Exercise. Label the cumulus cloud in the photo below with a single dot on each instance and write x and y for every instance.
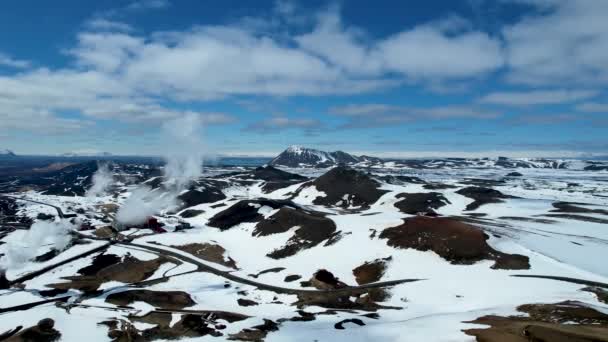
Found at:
(443, 49)
(537, 97)
(567, 42)
(118, 73)
(115, 73)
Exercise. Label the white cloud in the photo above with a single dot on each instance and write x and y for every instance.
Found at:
(537, 97)
(427, 52)
(439, 50)
(34, 101)
(7, 61)
(567, 42)
(117, 74)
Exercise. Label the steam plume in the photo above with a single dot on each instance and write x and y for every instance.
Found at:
(18, 253)
(183, 153)
(102, 180)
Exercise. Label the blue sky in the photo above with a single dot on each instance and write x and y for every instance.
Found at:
(415, 78)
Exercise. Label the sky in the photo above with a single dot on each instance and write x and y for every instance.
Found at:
(521, 78)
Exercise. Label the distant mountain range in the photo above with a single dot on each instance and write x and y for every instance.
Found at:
(87, 154)
(297, 156)
(7, 154)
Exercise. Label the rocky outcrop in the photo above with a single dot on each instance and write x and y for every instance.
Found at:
(313, 228)
(421, 203)
(561, 322)
(455, 241)
(481, 196)
(245, 211)
(194, 197)
(345, 187)
(371, 271)
(172, 300)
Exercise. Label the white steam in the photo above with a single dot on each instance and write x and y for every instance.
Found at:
(41, 233)
(183, 153)
(102, 180)
(183, 150)
(143, 203)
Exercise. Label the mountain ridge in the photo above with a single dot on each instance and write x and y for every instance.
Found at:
(298, 156)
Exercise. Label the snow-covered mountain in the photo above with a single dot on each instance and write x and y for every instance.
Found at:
(296, 156)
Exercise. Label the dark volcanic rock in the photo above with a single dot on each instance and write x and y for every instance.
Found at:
(421, 203)
(292, 277)
(313, 229)
(103, 269)
(246, 302)
(371, 271)
(340, 325)
(256, 333)
(596, 167)
(454, 241)
(45, 217)
(273, 178)
(44, 331)
(72, 180)
(9, 208)
(191, 213)
(245, 211)
(190, 325)
(270, 270)
(276, 179)
(341, 157)
(325, 280)
(4, 283)
(196, 197)
(272, 174)
(346, 187)
(481, 196)
(562, 322)
(209, 252)
(438, 186)
(172, 300)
